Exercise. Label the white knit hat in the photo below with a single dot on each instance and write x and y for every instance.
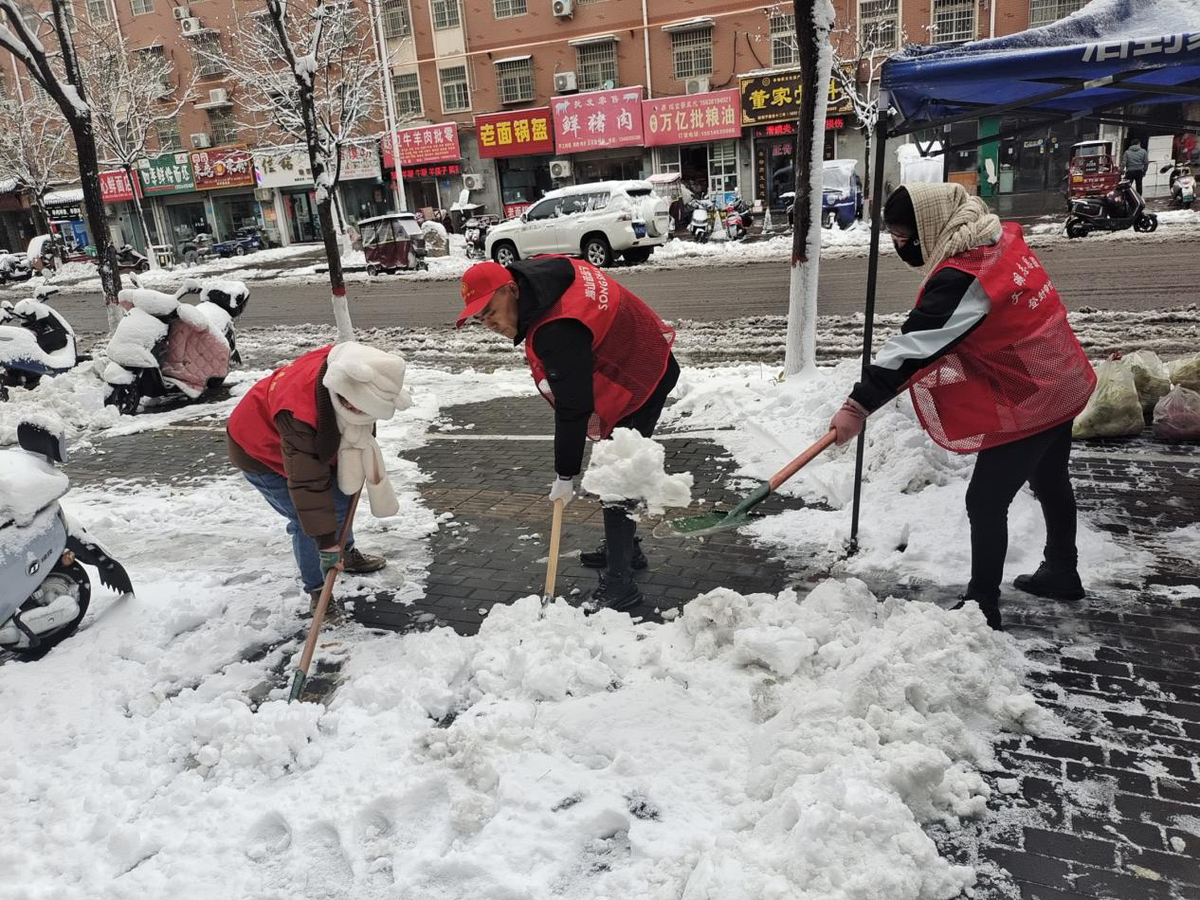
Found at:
(370, 379)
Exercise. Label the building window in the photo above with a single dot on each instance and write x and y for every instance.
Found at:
(1044, 12)
(514, 80)
(445, 14)
(397, 22)
(141, 7)
(879, 23)
(506, 8)
(596, 65)
(692, 52)
(168, 136)
(154, 60)
(406, 90)
(783, 40)
(456, 96)
(722, 167)
(221, 127)
(953, 21)
(208, 56)
(97, 11)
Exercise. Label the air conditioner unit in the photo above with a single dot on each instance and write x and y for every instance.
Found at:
(473, 182)
(565, 83)
(698, 85)
(200, 140)
(218, 95)
(560, 169)
(181, 13)
(190, 26)
(563, 8)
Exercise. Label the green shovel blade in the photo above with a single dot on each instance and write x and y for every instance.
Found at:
(712, 522)
(297, 686)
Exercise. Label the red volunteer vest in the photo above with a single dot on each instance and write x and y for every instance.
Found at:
(630, 346)
(292, 388)
(1020, 372)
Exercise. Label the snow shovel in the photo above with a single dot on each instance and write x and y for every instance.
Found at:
(709, 523)
(552, 559)
(314, 629)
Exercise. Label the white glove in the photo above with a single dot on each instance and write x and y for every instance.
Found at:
(563, 489)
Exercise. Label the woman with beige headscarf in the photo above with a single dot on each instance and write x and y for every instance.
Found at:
(993, 368)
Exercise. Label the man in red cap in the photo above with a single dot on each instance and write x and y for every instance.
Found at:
(603, 360)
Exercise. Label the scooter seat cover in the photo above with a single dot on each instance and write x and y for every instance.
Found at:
(630, 346)
(1020, 372)
(292, 388)
(193, 356)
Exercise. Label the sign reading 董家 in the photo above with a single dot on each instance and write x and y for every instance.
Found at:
(423, 144)
(776, 98)
(223, 167)
(170, 173)
(515, 133)
(598, 120)
(691, 118)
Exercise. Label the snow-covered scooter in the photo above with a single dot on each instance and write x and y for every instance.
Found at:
(701, 224)
(35, 340)
(1183, 184)
(44, 589)
(165, 348)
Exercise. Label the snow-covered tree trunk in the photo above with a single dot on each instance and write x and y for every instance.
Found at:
(131, 174)
(814, 19)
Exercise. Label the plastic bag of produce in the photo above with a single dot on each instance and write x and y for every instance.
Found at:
(1150, 376)
(1113, 409)
(1186, 372)
(1177, 416)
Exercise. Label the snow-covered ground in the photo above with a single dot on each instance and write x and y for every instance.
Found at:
(754, 747)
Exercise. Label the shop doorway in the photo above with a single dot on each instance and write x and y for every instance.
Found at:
(304, 225)
(186, 221)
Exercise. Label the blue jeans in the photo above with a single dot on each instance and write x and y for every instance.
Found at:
(275, 489)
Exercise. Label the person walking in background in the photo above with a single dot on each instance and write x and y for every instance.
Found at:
(1134, 162)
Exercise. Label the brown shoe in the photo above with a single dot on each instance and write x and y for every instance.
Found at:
(356, 562)
(335, 612)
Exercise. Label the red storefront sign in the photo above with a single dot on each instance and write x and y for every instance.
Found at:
(516, 133)
(442, 171)
(223, 167)
(423, 144)
(715, 116)
(512, 210)
(598, 120)
(835, 123)
(115, 186)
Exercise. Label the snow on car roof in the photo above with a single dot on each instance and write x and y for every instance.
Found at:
(597, 186)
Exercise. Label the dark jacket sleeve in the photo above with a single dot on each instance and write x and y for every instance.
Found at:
(310, 479)
(951, 306)
(565, 348)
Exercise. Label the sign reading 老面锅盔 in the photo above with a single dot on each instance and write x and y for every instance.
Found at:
(598, 120)
(776, 98)
(515, 133)
(223, 167)
(170, 173)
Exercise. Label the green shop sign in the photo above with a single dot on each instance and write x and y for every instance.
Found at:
(170, 173)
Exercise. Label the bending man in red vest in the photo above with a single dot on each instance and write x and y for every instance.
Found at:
(304, 437)
(994, 368)
(602, 358)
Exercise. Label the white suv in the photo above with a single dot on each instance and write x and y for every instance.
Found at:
(597, 221)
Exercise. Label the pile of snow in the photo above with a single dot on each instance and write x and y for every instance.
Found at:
(28, 484)
(629, 467)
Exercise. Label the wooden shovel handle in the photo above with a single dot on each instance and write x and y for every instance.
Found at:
(552, 559)
(802, 460)
(326, 591)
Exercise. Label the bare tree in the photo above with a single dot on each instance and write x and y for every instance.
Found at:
(307, 75)
(131, 92)
(56, 70)
(35, 150)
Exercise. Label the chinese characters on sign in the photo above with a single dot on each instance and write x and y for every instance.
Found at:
(359, 162)
(691, 118)
(282, 169)
(423, 144)
(512, 210)
(443, 171)
(782, 129)
(515, 133)
(222, 168)
(115, 186)
(170, 173)
(776, 98)
(598, 120)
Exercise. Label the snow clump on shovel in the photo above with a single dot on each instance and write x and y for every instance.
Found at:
(628, 466)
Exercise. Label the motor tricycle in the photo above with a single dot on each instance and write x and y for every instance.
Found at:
(393, 243)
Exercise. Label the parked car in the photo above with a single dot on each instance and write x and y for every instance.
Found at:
(598, 221)
(246, 240)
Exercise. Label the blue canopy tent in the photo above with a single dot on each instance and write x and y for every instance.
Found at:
(1088, 66)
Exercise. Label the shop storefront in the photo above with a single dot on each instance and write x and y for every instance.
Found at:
(170, 200)
(774, 153)
(603, 132)
(521, 143)
(432, 155)
(65, 209)
(290, 173)
(697, 136)
(117, 189)
(363, 193)
(16, 219)
(226, 174)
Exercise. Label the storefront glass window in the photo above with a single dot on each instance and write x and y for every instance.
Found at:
(722, 167)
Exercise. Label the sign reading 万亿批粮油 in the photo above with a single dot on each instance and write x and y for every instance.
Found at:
(691, 118)
(598, 120)
(776, 98)
(515, 133)
(170, 173)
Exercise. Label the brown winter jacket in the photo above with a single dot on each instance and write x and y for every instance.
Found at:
(309, 455)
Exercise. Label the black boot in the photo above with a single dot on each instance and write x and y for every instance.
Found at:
(617, 588)
(1057, 582)
(990, 607)
(598, 558)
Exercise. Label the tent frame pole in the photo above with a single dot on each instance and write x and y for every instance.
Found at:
(881, 136)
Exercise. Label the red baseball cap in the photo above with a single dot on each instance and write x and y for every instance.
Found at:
(478, 284)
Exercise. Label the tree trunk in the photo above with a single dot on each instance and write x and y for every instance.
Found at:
(41, 218)
(867, 135)
(337, 282)
(813, 19)
(141, 216)
(93, 210)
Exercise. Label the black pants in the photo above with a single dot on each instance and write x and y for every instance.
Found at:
(1040, 459)
(1136, 177)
